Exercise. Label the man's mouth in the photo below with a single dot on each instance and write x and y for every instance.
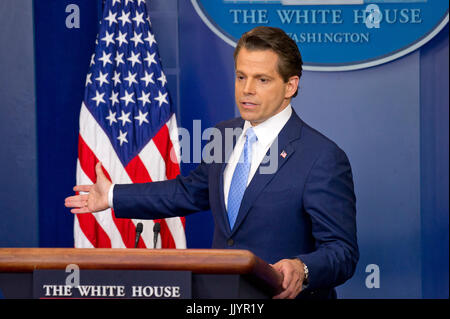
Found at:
(249, 105)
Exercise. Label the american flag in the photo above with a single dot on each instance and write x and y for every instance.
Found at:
(128, 123)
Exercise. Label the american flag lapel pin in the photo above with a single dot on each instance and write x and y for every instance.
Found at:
(283, 154)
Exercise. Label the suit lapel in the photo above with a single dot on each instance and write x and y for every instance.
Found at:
(290, 132)
(221, 169)
(221, 196)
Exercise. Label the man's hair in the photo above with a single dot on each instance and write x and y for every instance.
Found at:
(270, 38)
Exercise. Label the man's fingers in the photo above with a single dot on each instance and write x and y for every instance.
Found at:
(77, 197)
(294, 289)
(281, 267)
(282, 295)
(291, 291)
(294, 285)
(289, 286)
(99, 170)
(76, 201)
(82, 203)
(287, 273)
(82, 188)
(82, 210)
(292, 281)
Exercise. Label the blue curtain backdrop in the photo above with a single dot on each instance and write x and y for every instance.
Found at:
(392, 121)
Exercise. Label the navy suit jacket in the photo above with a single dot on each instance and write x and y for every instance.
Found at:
(306, 209)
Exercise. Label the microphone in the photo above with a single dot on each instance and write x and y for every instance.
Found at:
(156, 230)
(139, 228)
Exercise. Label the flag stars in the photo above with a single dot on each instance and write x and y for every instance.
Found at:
(114, 98)
(131, 78)
(122, 137)
(161, 98)
(108, 38)
(125, 93)
(122, 38)
(128, 98)
(134, 59)
(124, 18)
(116, 77)
(119, 58)
(148, 78)
(139, 18)
(106, 58)
(111, 18)
(88, 79)
(142, 117)
(92, 59)
(98, 98)
(145, 98)
(124, 118)
(150, 58)
(102, 78)
(150, 39)
(162, 79)
(111, 117)
(137, 39)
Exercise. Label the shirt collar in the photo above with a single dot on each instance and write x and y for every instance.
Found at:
(267, 131)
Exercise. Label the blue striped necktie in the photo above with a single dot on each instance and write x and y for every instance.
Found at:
(240, 177)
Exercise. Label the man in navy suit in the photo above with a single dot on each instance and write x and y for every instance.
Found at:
(299, 215)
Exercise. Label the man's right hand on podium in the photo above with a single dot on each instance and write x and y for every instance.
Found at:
(96, 198)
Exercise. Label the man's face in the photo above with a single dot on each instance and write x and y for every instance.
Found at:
(260, 91)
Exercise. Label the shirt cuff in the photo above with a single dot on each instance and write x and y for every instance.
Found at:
(110, 196)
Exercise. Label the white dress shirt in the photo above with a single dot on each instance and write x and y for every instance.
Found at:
(266, 132)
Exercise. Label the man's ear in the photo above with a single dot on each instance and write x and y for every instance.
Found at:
(292, 86)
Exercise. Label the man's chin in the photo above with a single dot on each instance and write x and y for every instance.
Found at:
(254, 120)
(249, 115)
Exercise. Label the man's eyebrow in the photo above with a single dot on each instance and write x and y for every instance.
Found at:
(258, 75)
(262, 75)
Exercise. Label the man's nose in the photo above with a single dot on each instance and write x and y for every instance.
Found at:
(249, 87)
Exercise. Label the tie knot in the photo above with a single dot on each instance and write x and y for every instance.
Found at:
(251, 136)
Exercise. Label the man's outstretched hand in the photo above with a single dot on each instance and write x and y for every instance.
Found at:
(97, 198)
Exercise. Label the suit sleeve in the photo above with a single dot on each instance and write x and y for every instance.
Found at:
(329, 200)
(177, 197)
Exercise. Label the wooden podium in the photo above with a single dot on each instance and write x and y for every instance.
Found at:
(215, 273)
